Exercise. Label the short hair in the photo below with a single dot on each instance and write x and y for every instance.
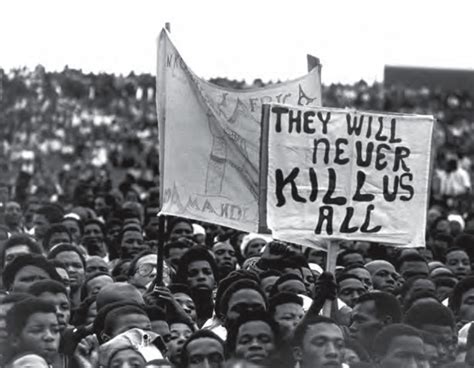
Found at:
(54, 229)
(117, 270)
(197, 253)
(233, 329)
(408, 284)
(225, 283)
(52, 212)
(461, 287)
(84, 294)
(78, 221)
(10, 271)
(14, 297)
(236, 286)
(66, 247)
(47, 286)
(181, 243)
(283, 298)
(112, 315)
(309, 320)
(345, 252)
(269, 273)
(385, 337)
(179, 288)
(79, 317)
(346, 276)
(386, 305)
(456, 249)
(21, 239)
(429, 312)
(18, 315)
(173, 221)
(200, 334)
(445, 281)
(420, 294)
(282, 279)
(95, 222)
(410, 257)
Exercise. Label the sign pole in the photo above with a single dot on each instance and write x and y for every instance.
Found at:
(333, 249)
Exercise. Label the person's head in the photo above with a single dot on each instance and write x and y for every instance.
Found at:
(179, 227)
(252, 245)
(56, 233)
(45, 216)
(94, 283)
(197, 269)
(457, 260)
(286, 309)
(180, 331)
(469, 359)
(93, 237)
(399, 345)
(158, 320)
(371, 312)
(6, 303)
(28, 360)
(18, 244)
(253, 337)
(317, 256)
(383, 275)
(289, 283)
(318, 342)
(33, 326)
(350, 288)
(362, 274)
(27, 269)
(118, 292)
(349, 257)
(242, 296)
(411, 265)
(13, 214)
(123, 318)
(203, 349)
(440, 244)
(435, 318)
(73, 224)
(55, 293)
(268, 279)
(182, 295)
(226, 258)
(414, 285)
(444, 287)
(131, 242)
(462, 299)
(174, 250)
(74, 261)
(96, 264)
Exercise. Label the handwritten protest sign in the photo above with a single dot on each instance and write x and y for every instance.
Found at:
(210, 140)
(345, 174)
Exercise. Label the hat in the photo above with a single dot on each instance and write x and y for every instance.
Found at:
(198, 230)
(249, 238)
(143, 342)
(315, 268)
(456, 218)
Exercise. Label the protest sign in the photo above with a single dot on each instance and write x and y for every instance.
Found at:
(347, 174)
(210, 140)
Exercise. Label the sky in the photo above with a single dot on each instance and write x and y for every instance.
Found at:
(239, 39)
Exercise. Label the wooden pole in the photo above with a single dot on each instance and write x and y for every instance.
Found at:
(333, 249)
(160, 251)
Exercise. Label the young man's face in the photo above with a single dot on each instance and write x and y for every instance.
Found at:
(27, 276)
(58, 237)
(40, 335)
(132, 244)
(350, 290)
(466, 311)
(384, 278)
(200, 275)
(364, 323)
(287, 316)
(255, 342)
(12, 214)
(225, 257)
(458, 262)
(97, 283)
(205, 352)
(447, 341)
(62, 305)
(40, 224)
(74, 268)
(74, 230)
(363, 275)
(404, 351)
(322, 346)
(187, 303)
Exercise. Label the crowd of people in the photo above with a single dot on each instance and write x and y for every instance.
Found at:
(79, 197)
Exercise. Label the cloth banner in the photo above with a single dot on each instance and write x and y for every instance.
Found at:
(347, 174)
(210, 140)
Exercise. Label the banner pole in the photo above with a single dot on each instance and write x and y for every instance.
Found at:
(160, 251)
(333, 249)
